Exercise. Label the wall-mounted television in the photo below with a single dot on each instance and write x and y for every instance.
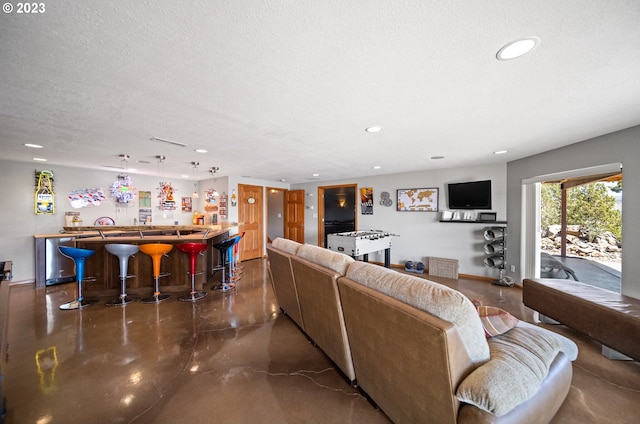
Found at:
(470, 195)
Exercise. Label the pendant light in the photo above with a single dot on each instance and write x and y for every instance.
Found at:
(195, 194)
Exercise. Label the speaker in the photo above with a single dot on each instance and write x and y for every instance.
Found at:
(494, 261)
(494, 234)
(494, 247)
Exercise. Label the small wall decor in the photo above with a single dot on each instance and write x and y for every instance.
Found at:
(234, 198)
(366, 200)
(44, 196)
(210, 203)
(385, 199)
(86, 197)
(418, 200)
(187, 204)
(223, 206)
(144, 204)
(165, 194)
(122, 191)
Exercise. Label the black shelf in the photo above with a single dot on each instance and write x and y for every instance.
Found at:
(460, 221)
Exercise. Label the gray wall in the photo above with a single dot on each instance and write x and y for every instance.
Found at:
(623, 147)
(20, 223)
(421, 235)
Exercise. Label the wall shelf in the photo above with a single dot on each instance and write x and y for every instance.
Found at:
(459, 221)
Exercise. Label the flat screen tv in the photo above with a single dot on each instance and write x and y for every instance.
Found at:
(470, 195)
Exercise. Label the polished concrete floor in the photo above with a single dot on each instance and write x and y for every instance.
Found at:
(230, 358)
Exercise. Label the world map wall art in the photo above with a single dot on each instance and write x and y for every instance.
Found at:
(418, 200)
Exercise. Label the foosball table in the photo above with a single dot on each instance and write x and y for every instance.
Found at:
(361, 243)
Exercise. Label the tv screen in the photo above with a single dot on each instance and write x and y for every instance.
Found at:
(470, 195)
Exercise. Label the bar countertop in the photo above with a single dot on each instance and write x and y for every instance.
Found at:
(138, 231)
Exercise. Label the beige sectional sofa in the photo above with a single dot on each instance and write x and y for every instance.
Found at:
(418, 348)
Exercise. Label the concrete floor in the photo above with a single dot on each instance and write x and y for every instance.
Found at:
(592, 272)
(230, 358)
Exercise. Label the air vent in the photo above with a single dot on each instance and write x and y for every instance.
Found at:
(164, 140)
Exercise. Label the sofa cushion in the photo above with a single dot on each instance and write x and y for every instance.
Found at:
(496, 321)
(520, 361)
(286, 245)
(434, 298)
(335, 261)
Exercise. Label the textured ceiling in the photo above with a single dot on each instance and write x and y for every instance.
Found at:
(284, 89)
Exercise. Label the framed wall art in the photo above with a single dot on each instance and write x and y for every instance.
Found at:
(418, 200)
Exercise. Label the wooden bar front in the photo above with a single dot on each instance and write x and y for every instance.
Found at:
(102, 270)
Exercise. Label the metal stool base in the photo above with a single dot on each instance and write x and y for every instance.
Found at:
(121, 301)
(78, 304)
(156, 298)
(192, 297)
(223, 287)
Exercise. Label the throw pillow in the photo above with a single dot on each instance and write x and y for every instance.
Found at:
(496, 321)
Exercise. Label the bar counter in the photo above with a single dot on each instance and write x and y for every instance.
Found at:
(102, 270)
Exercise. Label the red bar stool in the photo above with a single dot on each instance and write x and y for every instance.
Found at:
(156, 251)
(193, 250)
(79, 256)
(123, 252)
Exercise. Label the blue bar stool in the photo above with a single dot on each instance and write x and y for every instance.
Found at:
(223, 247)
(123, 252)
(193, 250)
(79, 256)
(234, 269)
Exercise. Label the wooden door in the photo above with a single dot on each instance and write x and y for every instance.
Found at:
(250, 218)
(294, 215)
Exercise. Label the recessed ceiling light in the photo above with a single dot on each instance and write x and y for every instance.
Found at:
(373, 129)
(499, 152)
(184, 176)
(376, 167)
(517, 48)
(200, 150)
(437, 157)
(35, 146)
(40, 159)
(315, 175)
(282, 180)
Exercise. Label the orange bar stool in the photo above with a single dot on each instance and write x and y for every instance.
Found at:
(79, 257)
(193, 250)
(156, 251)
(123, 252)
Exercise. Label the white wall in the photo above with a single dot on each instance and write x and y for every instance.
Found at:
(421, 235)
(20, 223)
(619, 147)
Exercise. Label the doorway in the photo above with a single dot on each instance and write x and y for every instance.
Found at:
(285, 214)
(581, 229)
(532, 229)
(275, 213)
(337, 207)
(250, 217)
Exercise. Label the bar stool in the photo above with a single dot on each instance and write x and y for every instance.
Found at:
(193, 250)
(156, 251)
(223, 248)
(123, 252)
(79, 256)
(234, 269)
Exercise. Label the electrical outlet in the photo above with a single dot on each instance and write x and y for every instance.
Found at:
(513, 268)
